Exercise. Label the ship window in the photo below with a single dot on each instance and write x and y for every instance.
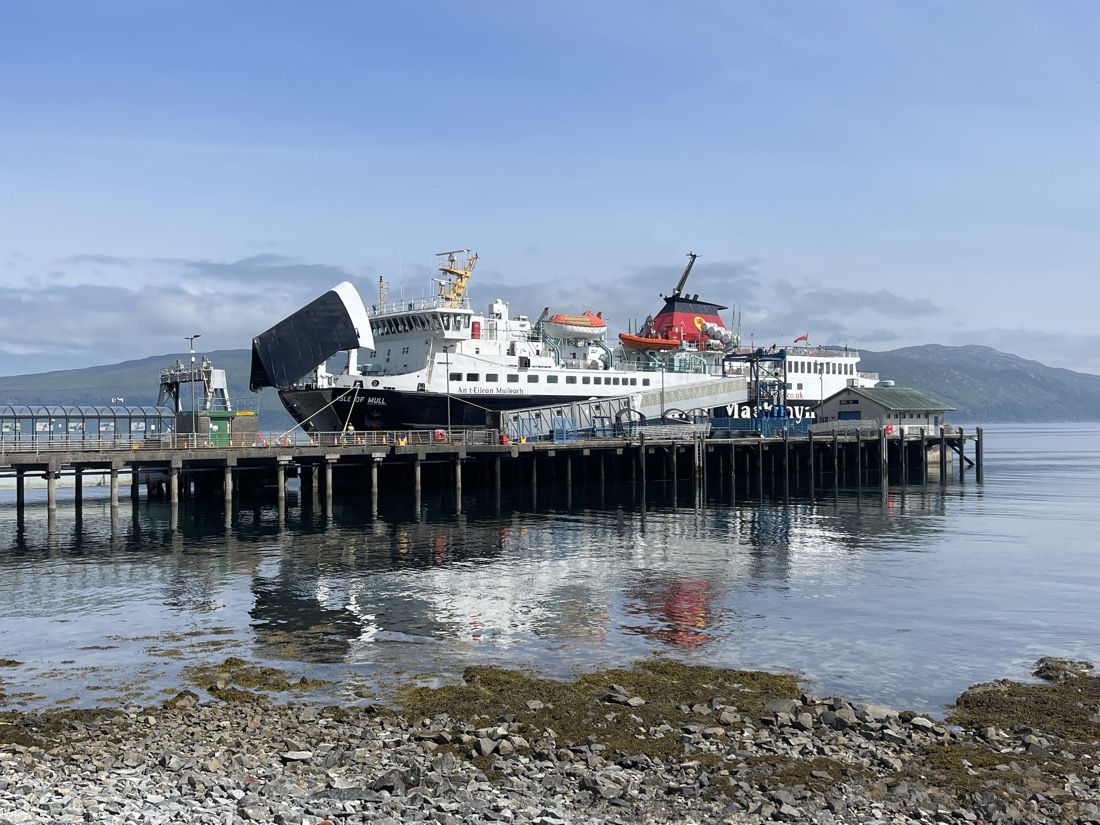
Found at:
(551, 379)
(633, 382)
(491, 377)
(645, 382)
(472, 376)
(570, 379)
(532, 378)
(615, 381)
(597, 380)
(466, 321)
(586, 379)
(456, 376)
(513, 378)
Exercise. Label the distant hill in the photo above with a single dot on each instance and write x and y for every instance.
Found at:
(985, 385)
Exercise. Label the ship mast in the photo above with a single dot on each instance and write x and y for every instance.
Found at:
(383, 290)
(687, 270)
(452, 292)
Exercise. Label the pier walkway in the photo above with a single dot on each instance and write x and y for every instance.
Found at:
(364, 461)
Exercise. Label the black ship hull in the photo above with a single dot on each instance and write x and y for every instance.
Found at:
(338, 408)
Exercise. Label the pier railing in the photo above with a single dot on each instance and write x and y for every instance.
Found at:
(200, 442)
(628, 432)
(268, 440)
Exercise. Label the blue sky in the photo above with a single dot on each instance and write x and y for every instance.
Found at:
(878, 174)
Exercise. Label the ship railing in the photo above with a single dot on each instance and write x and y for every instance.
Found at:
(798, 351)
(417, 304)
(692, 365)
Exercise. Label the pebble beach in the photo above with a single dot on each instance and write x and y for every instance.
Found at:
(660, 743)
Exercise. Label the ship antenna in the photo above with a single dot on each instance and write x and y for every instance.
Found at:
(687, 270)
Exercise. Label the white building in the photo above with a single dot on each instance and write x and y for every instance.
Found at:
(893, 407)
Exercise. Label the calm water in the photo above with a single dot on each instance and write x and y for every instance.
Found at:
(903, 596)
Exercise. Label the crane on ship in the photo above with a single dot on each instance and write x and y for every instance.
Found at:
(687, 271)
(452, 292)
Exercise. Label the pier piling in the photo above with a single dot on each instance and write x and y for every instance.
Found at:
(788, 457)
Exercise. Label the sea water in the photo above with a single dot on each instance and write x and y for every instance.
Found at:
(903, 595)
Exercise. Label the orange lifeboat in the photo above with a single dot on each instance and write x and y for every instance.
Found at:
(642, 342)
(587, 325)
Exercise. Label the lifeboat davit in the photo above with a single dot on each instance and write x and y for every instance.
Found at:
(642, 342)
(575, 326)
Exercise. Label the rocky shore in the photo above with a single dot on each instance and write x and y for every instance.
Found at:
(659, 743)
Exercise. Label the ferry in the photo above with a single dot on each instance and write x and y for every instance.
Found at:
(437, 362)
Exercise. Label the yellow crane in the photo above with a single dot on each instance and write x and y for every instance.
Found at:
(452, 292)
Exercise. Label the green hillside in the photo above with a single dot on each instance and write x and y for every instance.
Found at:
(987, 385)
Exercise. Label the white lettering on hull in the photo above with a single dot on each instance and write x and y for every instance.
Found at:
(795, 412)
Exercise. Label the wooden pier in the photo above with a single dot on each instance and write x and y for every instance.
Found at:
(414, 460)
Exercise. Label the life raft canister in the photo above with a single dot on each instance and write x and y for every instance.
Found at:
(889, 429)
(440, 435)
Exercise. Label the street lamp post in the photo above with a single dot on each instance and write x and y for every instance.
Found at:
(662, 388)
(821, 385)
(447, 361)
(191, 342)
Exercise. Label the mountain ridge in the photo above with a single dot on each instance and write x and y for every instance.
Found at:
(987, 385)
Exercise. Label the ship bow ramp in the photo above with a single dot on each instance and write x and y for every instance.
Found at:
(301, 342)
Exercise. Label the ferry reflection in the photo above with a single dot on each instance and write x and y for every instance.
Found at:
(681, 612)
(592, 577)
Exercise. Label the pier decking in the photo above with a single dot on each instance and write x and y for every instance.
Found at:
(414, 459)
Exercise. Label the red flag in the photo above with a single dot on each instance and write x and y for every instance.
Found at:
(805, 337)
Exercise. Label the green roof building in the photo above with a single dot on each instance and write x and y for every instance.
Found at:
(891, 407)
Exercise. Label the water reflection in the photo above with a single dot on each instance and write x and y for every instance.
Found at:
(597, 577)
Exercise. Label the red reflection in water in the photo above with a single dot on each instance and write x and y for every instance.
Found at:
(680, 609)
